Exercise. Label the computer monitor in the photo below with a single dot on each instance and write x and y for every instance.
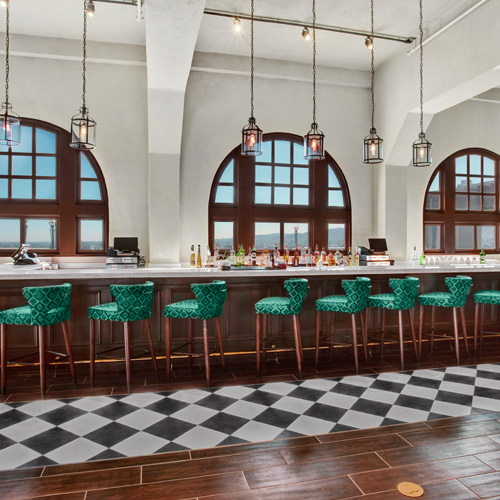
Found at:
(126, 244)
(378, 244)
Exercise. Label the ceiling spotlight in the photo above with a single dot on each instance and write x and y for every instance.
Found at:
(90, 8)
(3, 3)
(305, 34)
(369, 42)
(237, 24)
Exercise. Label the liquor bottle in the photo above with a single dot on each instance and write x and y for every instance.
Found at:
(331, 259)
(316, 255)
(356, 258)
(232, 256)
(249, 257)
(296, 258)
(208, 257)
(198, 260)
(240, 256)
(303, 256)
(349, 257)
(192, 259)
(287, 254)
(323, 255)
(276, 253)
(309, 257)
(414, 256)
(482, 257)
(253, 262)
(422, 259)
(265, 257)
(216, 254)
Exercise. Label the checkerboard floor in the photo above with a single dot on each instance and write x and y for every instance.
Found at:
(93, 428)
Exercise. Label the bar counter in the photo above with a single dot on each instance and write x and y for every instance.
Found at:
(245, 287)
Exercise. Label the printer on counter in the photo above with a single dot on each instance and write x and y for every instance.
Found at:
(124, 254)
(376, 255)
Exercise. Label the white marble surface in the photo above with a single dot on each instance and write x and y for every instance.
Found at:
(10, 272)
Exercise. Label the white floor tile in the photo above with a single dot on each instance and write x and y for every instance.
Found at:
(486, 403)
(360, 420)
(141, 443)
(257, 431)
(92, 403)
(200, 437)
(358, 380)
(79, 450)
(419, 392)
(335, 399)
(462, 370)
(487, 383)
(141, 419)
(407, 414)
(194, 414)
(4, 408)
(491, 368)
(310, 425)
(388, 397)
(245, 409)
(450, 409)
(294, 405)
(85, 424)
(16, 455)
(319, 384)
(40, 407)
(189, 396)
(398, 378)
(235, 391)
(429, 374)
(26, 429)
(281, 388)
(142, 400)
(467, 389)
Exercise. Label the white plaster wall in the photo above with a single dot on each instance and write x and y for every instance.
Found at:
(50, 89)
(217, 107)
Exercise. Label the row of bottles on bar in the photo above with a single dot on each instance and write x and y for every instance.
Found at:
(272, 259)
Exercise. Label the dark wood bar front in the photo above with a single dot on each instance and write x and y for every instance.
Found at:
(244, 289)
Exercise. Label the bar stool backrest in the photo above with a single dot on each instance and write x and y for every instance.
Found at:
(49, 304)
(211, 298)
(357, 292)
(297, 289)
(405, 292)
(134, 302)
(459, 288)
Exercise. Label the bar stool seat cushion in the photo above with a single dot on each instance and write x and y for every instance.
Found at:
(297, 290)
(133, 303)
(405, 293)
(48, 305)
(487, 297)
(273, 305)
(439, 299)
(355, 300)
(186, 309)
(382, 300)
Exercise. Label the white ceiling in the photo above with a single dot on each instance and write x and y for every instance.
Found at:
(116, 23)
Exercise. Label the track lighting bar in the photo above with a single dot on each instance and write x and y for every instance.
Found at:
(301, 24)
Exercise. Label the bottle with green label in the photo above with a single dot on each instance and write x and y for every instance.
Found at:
(422, 259)
(482, 257)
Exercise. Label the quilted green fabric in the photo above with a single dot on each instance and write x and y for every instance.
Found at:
(355, 299)
(297, 290)
(405, 293)
(458, 289)
(487, 297)
(48, 305)
(210, 298)
(132, 303)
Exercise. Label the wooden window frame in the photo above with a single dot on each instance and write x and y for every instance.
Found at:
(245, 212)
(448, 216)
(67, 207)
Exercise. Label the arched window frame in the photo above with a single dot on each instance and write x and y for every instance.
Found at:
(68, 209)
(448, 218)
(243, 212)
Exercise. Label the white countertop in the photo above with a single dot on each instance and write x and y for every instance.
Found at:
(11, 272)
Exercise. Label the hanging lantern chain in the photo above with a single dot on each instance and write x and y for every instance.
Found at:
(251, 63)
(373, 70)
(7, 46)
(421, 70)
(84, 54)
(314, 59)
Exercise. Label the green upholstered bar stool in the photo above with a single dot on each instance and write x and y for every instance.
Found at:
(354, 301)
(47, 305)
(209, 302)
(132, 303)
(491, 297)
(405, 292)
(458, 289)
(282, 306)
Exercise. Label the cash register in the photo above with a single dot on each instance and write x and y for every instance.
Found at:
(376, 255)
(124, 254)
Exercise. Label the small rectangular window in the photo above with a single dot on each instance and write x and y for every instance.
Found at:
(224, 194)
(224, 234)
(45, 141)
(267, 233)
(91, 234)
(10, 233)
(485, 237)
(432, 236)
(41, 233)
(296, 233)
(464, 237)
(45, 166)
(336, 236)
(4, 165)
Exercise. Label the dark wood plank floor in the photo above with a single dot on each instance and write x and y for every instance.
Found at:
(452, 459)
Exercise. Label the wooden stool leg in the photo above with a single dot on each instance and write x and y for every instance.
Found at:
(219, 337)
(363, 336)
(433, 316)
(367, 322)
(264, 337)
(69, 352)
(332, 331)
(190, 340)
(128, 368)
(401, 340)
(413, 337)
(207, 353)
(301, 349)
(464, 330)
(455, 332)
(420, 327)
(3, 356)
(296, 332)
(152, 348)
(316, 348)
(92, 351)
(355, 342)
(481, 327)
(383, 334)
(41, 349)
(168, 339)
(257, 343)
(476, 324)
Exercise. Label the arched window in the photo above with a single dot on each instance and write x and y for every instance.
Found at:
(462, 210)
(278, 197)
(52, 197)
